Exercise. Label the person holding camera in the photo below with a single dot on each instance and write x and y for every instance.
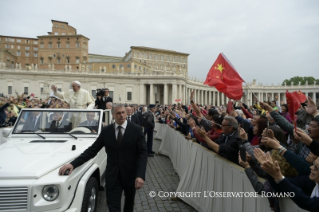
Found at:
(101, 100)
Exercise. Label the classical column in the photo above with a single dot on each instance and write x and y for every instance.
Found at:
(180, 92)
(314, 97)
(202, 94)
(209, 97)
(152, 101)
(142, 94)
(184, 94)
(279, 97)
(214, 98)
(165, 94)
(223, 99)
(259, 96)
(247, 98)
(272, 97)
(174, 92)
(197, 96)
(218, 98)
(186, 97)
(203, 97)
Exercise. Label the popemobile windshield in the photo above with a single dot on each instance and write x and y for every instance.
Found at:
(41, 142)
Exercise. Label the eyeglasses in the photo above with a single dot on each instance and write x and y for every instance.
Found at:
(316, 167)
(225, 125)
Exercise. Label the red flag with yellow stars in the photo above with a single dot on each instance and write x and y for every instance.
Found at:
(294, 101)
(300, 96)
(223, 76)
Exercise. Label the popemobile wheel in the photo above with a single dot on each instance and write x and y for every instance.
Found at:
(90, 199)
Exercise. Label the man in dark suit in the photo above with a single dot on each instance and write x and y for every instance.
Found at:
(32, 124)
(126, 160)
(101, 101)
(59, 124)
(132, 118)
(90, 121)
(149, 125)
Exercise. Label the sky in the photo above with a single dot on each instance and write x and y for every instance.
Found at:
(269, 41)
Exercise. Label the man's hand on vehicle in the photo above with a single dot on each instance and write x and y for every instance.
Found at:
(66, 167)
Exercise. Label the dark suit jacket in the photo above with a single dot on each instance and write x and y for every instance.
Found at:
(302, 187)
(148, 120)
(94, 125)
(140, 117)
(128, 159)
(229, 149)
(65, 126)
(101, 103)
(28, 125)
(3, 115)
(135, 119)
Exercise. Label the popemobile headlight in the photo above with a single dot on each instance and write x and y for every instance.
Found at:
(50, 192)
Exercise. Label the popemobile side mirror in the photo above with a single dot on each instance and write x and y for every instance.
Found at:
(6, 131)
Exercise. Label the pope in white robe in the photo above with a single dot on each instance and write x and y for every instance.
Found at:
(77, 98)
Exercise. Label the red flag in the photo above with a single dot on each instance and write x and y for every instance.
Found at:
(178, 100)
(293, 103)
(223, 76)
(300, 96)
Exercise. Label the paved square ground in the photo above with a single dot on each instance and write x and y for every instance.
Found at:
(160, 176)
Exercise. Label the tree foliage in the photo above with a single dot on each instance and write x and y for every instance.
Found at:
(302, 80)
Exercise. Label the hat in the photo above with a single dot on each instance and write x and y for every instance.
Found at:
(78, 83)
(151, 106)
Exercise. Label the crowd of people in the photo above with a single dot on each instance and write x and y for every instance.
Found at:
(260, 137)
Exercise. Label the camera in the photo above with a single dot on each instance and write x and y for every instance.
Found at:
(100, 91)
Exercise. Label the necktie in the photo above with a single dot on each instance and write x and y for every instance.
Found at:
(129, 118)
(119, 135)
(57, 124)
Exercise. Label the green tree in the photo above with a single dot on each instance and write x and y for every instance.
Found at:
(302, 80)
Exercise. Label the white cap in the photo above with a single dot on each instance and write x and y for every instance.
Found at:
(77, 82)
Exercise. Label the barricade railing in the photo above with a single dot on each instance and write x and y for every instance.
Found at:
(205, 174)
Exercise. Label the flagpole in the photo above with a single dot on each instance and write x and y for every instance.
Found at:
(251, 91)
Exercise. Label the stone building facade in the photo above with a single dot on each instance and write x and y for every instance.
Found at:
(143, 75)
(139, 88)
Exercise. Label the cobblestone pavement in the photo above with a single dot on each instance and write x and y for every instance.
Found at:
(160, 176)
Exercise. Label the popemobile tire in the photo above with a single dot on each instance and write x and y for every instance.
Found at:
(90, 199)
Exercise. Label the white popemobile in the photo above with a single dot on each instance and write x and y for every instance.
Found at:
(41, 142)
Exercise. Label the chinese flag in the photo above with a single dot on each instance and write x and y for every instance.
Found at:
(294, 100)
(300, 96)
(223, 76)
